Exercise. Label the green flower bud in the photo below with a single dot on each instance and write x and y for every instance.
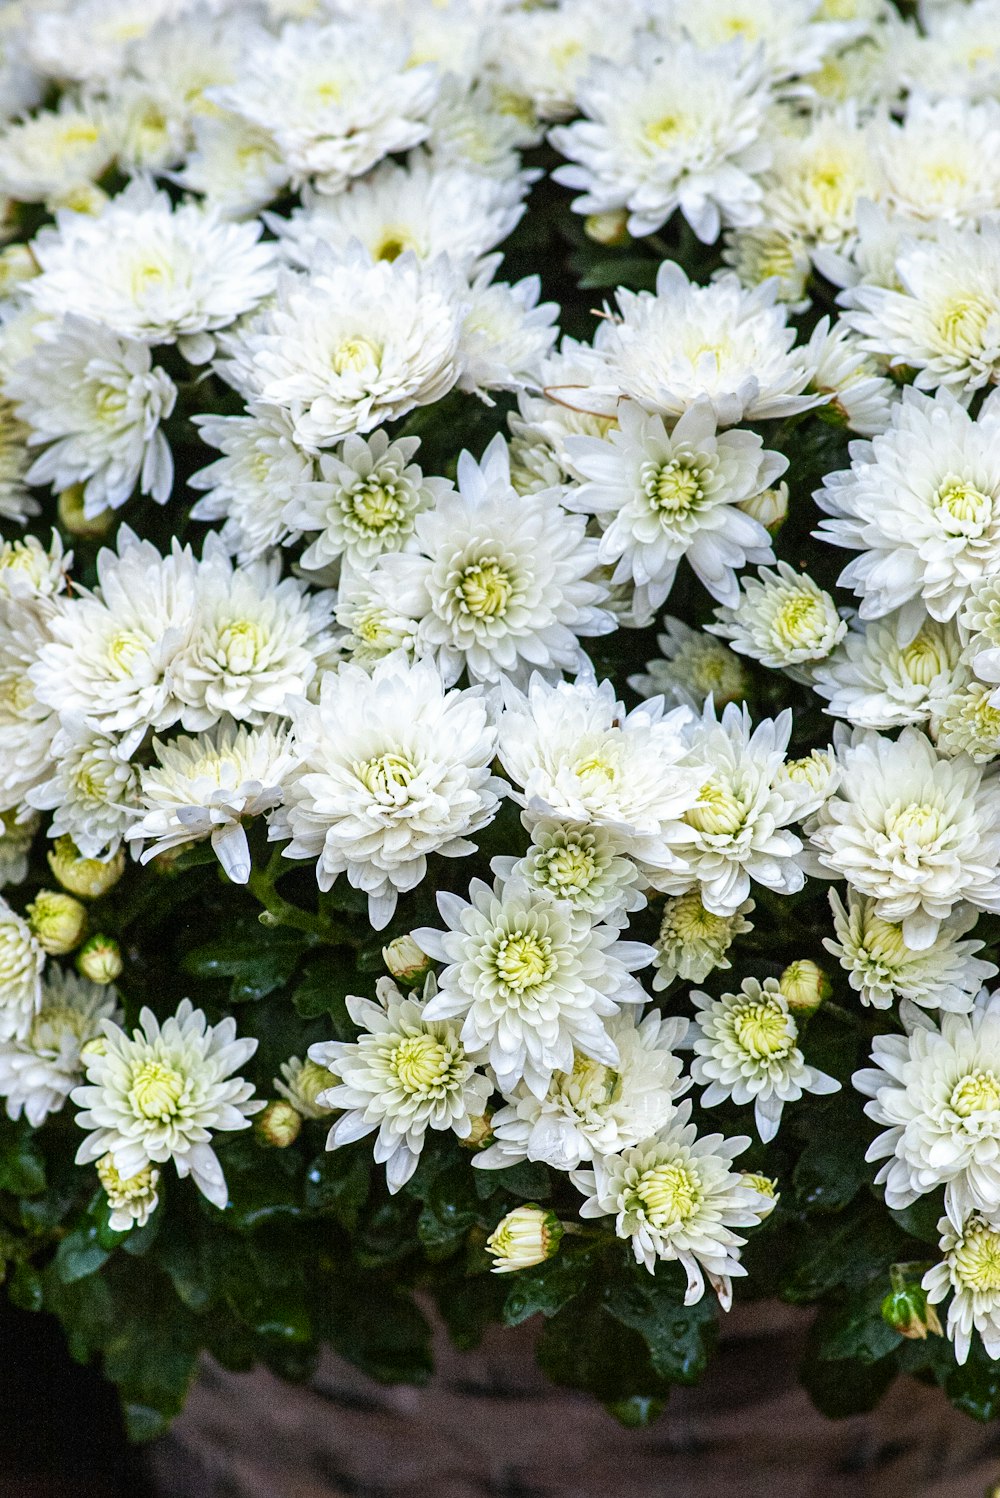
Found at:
(100, 959)
(58, 921)
(906, 1308)
(805, 986)
(73, 519)
(767, 1186)
(278, 1126)
(528, 1235)
(770, 507)
(481, 1133)
(407, 963)
(607, 228)
(87, 877)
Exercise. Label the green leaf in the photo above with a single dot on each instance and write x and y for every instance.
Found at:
(846, 1388)
(857, 1329)
(22, 1169)
(582, 1347)
(920, 1219)
(546, 1288)
(25, 1288)
(450, 1210)
(529, 1180)
(376, 1326)
(832, 1169)
(79, 1254)
(679, 1337)
(636, 1413)
(974, 1388)
(338, 1182)
(258, 960)
(323, 987)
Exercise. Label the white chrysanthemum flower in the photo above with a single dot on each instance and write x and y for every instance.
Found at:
(577, 755)
(132, 1200)
(883, 675)
(680, 130)
(161, 1093)
(814, 778)
(582, 866)
(47, 155)
(391, 768)
(914, 832)
(39, 1071)
(956, 51)
(89, 43)
(423, 206)
(111, 653)
(532, 981)
(336, 98)
(980, 627)
(694, 666)
(254, 481)
(820, 166)
(858, 395)
(406, 1073)
(96, 402)
(93, 788)
(784, 620)
(27, 725)
(207, 787)
(970, 723)
(544, 54)
(793, 36)
(693, 941)
(374, 625)
(17, 833)
(543, 422)
(15, 502)
(301, 1083)
(944, 321)
(941, 161)
(355, 344)
(29, 571)
(471, 125)
(686, 342)
(970, 1273)
(255, 642)
(594, 1109)
(936, 1092)
(234, 165)
(661, 496)
(921, 503)
(506, 333)
(365, 502)
(677, 1198)
(148, 138)
(746, 1048)
(149, 271)
(21, 962)
(768, 254)
(501, 582)
(880, 967)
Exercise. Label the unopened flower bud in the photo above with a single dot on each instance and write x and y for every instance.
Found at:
(132, 1199)
(96, 1047)
(87, 877)
(100, 959)
(73, 519)
(528, 1235)
(17, 264)
(481, 1133)
(407, 963)
(767, 1186)
(302, 1083)
(805, 987)
(769, 507)
(58, 921)
(279, 1125)
(607, 228)
(906, 1308)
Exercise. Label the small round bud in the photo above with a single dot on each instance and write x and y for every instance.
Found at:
(58, 921)
(73, 519)
(770, 507)
(278, 1126)
(87, 877)
(302, 1083)
(767, 1186)
(132, 1199)
(407, 963)
(528, 1235)
(607, 228)
(805, 987)
(906, 1308)
(96, 1047)
(100, 959)
(481, 1133)
(17, 264)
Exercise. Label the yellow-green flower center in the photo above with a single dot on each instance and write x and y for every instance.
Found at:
(917, 823)
(126, 1188)
(485, 589)
(126, 649)
(763, 1029)
(979, 1092)
(674, 487)
(666, 1195)
(718, 810)
(976, 1259)
(962, 323)
(799, 621)
(962, 508)
(374, 505)
(156, 1091)
(354, 355)
(687, 920)
(420, 1063)
(523, 960)
(239, 644)
(568, 869)
(923, 659)
(387, 776)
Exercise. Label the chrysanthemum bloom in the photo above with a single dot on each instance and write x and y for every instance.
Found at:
(132, 1200)
(881, 967)
(970, 723)
(583, 866)
(30, 571)
(792, 36)
(693, 941)
(302, 1082)
(96, 403)
(506, 333)
(16, 837)
(373, 622)
(578, 755)
(819, 168)
(595, 1109)
(970, 1273)
(207, 787)
(686, 343)
(858, 394)
(148, 271)
(544, 54)
(921, 504)
(501, 582)
(814, 777)
(941, 162)
(365, 502)
(883, 675)
(21, 961)
(979, 623)
(784, 620)
(39, 1071)
(679, 130)
(110, 654)
(527, 1235)
(161, 1093)
(92, 788)
(45, 157)
(531, 981)
(694, 666)
(914, 832)
(666, 496)
(677, 1197)
(251, 485)
(746, 1048)
(27, 725)
(937, 1094)
(406, 1073)
(391, 768)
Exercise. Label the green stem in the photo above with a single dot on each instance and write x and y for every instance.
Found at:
(284, 912)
